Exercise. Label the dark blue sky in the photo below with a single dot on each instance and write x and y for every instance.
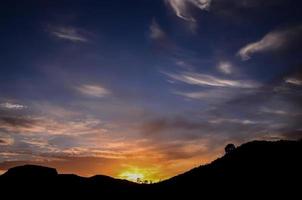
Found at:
(130, 83)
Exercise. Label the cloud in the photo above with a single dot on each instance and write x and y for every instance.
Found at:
(82, 161)
(236, 121)
(274, 111)
(156, 33)
(17, 122)
(225, 67)
(209, 80)
(30, 125)
(212, 96)
(182, 7)
(294, 81)
(6, 140)
(275, 40)
(197, 128)
(68, 33)
(164, 124)
(55, 111)
(295, 78)
(240, 114)
(93, 90)
(207, 133)
(161, 42)
(12, 106)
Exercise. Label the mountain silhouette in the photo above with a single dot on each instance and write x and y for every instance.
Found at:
(254, 169)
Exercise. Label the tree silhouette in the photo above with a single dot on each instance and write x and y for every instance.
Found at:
(229, 148)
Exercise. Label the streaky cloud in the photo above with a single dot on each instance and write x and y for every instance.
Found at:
(209, 80)
(68, 33)
(93, 90)
(212, 96)
(6, 140)
(12, 106)
(294, 81)
(272, 41)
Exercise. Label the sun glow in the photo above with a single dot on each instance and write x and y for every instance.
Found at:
(132, 176)
(139, 175)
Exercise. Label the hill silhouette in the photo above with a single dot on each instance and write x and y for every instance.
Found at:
(257, 168)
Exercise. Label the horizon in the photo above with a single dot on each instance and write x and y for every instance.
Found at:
(145, 89)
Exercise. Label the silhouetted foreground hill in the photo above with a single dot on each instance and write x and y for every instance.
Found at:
(255, 169)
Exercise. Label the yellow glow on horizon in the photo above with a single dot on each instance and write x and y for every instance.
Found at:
(136, 174)
(132, 176)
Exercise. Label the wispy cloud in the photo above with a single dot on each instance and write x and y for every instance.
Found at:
(156, 32)
(281, 112)
(236, 121)
(93, 90)
(182, 10)
(294, 81)
(12, 106)
(272, 41)
(6, 140)
(213, 96)
(68, 33)
(29, 125)
(225, 67)
(209, 80)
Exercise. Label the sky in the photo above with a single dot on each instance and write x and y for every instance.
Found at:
(145, 88)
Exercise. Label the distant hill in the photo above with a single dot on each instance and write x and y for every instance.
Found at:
(255, 169)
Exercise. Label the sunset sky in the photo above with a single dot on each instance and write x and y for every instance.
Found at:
(145, 88)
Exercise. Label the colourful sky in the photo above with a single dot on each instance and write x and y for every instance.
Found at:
(145, 88)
